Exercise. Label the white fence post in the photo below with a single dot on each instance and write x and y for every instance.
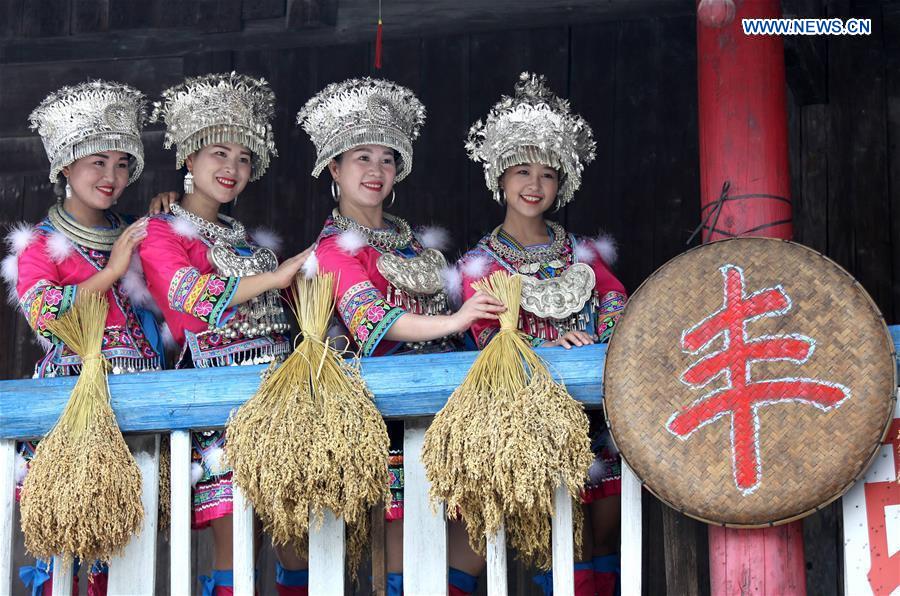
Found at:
(496, 563)
(134, 571)
(7, 509)
(563, 543)
(424, 531)
(630, 577)
(326, 555)
(181, 580)
(62, 576)
(242, 544)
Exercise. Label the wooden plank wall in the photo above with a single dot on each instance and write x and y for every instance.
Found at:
(631, 74)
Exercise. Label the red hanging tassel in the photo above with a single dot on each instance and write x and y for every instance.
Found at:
(378, 45)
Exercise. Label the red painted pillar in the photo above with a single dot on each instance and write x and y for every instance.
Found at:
(744, 149)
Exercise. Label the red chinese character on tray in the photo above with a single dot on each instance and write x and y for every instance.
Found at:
(741, 397)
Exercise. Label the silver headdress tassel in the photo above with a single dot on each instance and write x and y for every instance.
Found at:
(88, 118)
(219, 108)
(535, 126)
(363, 112)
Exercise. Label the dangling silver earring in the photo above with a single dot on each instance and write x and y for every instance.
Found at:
(393, 198)
(68, 190)
(500, 196)
(335, 191)
(188, 183)
(235, 201)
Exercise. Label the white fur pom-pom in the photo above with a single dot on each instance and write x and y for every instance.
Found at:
(267, 238)
(215, 461)
(184, 228)
(453, 285)
(434, 237)
(585, 252)
(21, 468)
(196, 473)
(58, 247)
(135, 286)
(474, 267)
(608, 248)
(351, 242)
(310, 266)
(598, 471)
(167, 337)
(19, 237)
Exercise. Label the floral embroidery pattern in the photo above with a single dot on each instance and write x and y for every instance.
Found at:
(44, 302)
(202, 296)
(367, 315)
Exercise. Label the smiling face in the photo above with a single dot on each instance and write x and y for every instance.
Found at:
(365, 175)
(530, 188)
(221, 171)
(98, 180)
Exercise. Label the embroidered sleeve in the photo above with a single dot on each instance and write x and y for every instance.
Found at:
(176, 283)
(610, 296)
(41, 297)
(361, 306)
(205, 297)
(608, 312)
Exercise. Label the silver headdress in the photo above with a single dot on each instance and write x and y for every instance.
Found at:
(219, 108)
(535, 126)
(89, 118)
(363, 112)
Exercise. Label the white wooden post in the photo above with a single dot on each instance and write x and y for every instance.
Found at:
(181, 580)
(496, 563)
(563, 543)
(134, 571)
(326, 555)
(424, 530)
(242, 539)
(630, 577)
(62, 576)
(7, 509)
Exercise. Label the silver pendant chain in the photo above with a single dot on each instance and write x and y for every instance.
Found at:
(233, 232)
(379, 239)
(531, 257)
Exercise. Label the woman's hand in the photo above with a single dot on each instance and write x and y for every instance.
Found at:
(287, 270)
(161, 202)
(572, 338)
(479, 306)
(123, 248)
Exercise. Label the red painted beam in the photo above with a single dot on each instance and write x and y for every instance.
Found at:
(744, 148)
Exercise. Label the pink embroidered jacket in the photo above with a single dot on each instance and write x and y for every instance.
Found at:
(600, 313)
(194, 299)
(43, 271)
(365, 302)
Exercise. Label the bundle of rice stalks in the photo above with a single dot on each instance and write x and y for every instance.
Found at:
(311, 437)
(507, 437)
(82, 495)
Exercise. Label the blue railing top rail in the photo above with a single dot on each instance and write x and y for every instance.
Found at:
(404, 386)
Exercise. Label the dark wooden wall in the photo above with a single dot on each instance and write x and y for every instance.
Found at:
(628, 67)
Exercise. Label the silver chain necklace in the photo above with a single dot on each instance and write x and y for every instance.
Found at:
(232, 232)
(531, 256)
(380, 239)
(97, 238)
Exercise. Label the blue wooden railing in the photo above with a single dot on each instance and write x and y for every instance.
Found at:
(404, 386)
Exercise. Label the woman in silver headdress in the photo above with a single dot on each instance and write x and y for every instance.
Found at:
(216, 283)
(91, 133)
(533, 150)
(390, 293)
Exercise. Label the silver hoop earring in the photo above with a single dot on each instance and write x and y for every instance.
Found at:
(335, 191)
(393, 198)
(235, 201)
(500, 196)
(68, 190)
(188, 183)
